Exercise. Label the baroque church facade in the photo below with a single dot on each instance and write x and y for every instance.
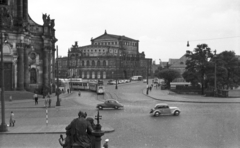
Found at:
(28, 48)
(107, 57)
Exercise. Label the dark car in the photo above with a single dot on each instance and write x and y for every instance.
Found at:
(110, 104)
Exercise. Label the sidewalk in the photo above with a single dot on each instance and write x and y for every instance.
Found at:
(168, 96)
(45, 129)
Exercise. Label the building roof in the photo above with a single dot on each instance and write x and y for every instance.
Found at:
(179, 63)
(114, 36)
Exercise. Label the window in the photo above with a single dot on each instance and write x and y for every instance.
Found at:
(88, 64)
(82, 63)
(93, 63)
(98, 63)
(104, 63)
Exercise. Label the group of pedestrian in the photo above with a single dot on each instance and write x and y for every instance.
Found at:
(47, 102)
(79, 132)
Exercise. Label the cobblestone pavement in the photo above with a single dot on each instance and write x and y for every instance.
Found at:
(31, 118)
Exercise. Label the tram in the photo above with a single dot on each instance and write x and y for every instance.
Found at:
(96, 86)
(77, 85)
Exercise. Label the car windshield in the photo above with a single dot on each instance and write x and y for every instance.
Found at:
(161, 106)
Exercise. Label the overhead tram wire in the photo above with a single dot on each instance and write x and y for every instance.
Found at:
(212, 39)
(215, 38)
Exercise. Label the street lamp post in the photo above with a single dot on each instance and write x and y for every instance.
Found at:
(58, 100)
(116, 86)
(215, 74)
(3, 127)
(147, 77)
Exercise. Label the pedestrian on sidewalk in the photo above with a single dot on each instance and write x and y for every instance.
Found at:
(79, 93)
(105, 145)
(12, 120)
(68, 91)
(35, 96)
(46, 102)
(49, 100)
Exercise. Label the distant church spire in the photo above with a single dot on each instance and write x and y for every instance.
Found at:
(105, 32)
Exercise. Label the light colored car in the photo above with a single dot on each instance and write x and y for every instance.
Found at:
(164, 109)
(144, 80)
(110, 104)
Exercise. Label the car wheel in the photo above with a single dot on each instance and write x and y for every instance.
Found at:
(176, 113)
(157, 114)
(100, 107)
(116, 107)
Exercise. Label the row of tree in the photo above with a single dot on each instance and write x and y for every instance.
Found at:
(204, 66)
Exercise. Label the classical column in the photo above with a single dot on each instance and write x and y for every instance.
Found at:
(20, 67)
(53, 70)
(25, 9)
(20, 9)
(45, 67)
(50, 67)
(26, 70)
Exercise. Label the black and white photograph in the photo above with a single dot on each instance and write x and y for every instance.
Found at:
(120, 73)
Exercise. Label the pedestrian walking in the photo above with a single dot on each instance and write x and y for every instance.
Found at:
(105, 145)
(49, 100)
(68, 91)
(12, 120)
(79, 93)
(35, 96)
(46, 102)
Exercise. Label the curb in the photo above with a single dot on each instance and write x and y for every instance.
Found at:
(104, 129)
(186, 101)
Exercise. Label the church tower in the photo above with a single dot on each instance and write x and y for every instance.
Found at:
(29, 52)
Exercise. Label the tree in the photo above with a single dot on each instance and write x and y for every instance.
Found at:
(156, 72)
(169, 75)
(228, 69)
(197, 65)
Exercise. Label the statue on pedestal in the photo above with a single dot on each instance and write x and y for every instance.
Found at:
(79, 129)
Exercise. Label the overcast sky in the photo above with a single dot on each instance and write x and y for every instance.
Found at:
(162, 27)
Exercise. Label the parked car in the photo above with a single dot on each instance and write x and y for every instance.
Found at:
(110, 104)
(109, 82)
(164, 109)
(144, 80)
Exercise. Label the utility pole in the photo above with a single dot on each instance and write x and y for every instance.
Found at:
(116, 86)
(147, 77)
(3, 127)
(215, 73)
(58, 100)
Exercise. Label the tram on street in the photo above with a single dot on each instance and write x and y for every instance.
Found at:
(96, 86)
(79, 85)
